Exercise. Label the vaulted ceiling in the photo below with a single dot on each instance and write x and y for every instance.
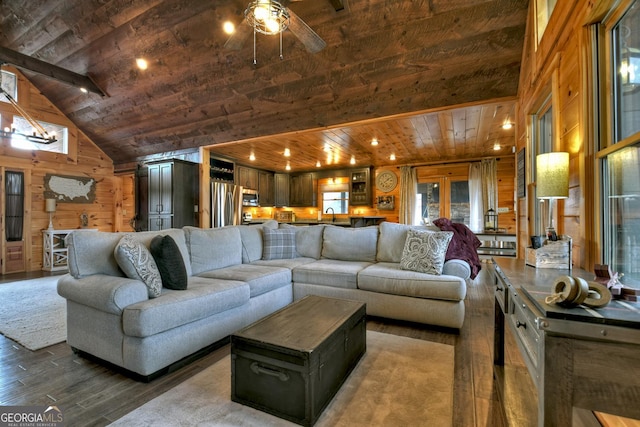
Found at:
(391, 70)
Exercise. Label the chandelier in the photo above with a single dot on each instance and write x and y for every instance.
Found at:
(267, 17)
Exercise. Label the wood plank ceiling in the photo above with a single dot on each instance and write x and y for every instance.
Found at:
(392, 70)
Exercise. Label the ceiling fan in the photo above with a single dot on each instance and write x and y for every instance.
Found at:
(273, 17)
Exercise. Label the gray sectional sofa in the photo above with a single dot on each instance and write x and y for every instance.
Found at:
(237, 275)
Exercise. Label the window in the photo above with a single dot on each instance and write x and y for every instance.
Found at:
(626, 73)
(429, 200)
(544, 9)
(10, 85)
(432, 206)
(21, 125)
(14, 205)
(622, 222)
(336, 197)
(620, 159)
(543, 137)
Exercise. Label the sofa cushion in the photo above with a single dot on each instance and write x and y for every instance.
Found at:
(279, 244)
(202, 298)
(251, 236)
(170, 264)
(91, 252)
(286, 263)
(389, 278)
(329, 272)
(424, 251)
(308, 240)
(137, 263)
(350, 244)
(177, 234)
(260, 278)
(392, 238)
(214, 248)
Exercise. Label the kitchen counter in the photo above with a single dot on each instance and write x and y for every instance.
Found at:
(353, 221)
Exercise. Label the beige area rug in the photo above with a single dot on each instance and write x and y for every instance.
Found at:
(398, 382)
(32, 313)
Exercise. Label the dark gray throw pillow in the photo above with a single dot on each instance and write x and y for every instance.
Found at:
(169, 260)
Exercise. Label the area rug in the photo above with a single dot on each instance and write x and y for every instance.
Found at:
(398, 382)
(32, 313)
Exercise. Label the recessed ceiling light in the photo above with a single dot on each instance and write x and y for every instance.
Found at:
(392, 157)
(374, 142)
(288, 167)
(318, 164)
(507, 125)
(496, 147)
(229, 27)
(142, 63)
(287, 152)
(353, 160)
(252, 157)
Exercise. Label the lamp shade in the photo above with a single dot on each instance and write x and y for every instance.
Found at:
(50, 205)
(552, 175)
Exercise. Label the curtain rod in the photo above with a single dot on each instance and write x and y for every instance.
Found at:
(474, 160)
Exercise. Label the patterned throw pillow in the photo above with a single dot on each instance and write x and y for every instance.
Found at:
(424, 251)
(136, 262)
(279, 244)
(170, 264)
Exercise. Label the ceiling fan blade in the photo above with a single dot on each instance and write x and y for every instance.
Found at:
(312, 41)
(239, 36)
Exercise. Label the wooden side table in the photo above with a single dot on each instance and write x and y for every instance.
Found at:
(54, 250)
(576, 356)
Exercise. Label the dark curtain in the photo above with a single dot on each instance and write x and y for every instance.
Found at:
(14, 205)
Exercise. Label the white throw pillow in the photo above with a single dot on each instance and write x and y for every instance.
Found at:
(424, 251)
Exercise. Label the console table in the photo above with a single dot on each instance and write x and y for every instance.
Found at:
(54, 250)
(576, 357)
(496, 244)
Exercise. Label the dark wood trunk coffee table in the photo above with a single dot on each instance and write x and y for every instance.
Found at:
(291, 363)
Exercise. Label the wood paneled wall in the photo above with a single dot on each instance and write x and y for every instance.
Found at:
(558, 66)
(84, 159)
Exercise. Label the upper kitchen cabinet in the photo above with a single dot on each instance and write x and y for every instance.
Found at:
(172, 194)
(265, 188)
(247, 177)
(360, 187)
(281, 190)
(303, 190)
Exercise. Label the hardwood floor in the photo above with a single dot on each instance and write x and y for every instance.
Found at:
(92, 395)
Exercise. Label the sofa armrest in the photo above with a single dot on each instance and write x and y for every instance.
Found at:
(110, 294)
(457, 267)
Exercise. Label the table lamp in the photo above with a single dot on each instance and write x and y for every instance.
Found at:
(552, 182)
(50, 206)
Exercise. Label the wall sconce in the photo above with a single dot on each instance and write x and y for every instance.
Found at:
(552, 182)
(50, 207)
(630, 68)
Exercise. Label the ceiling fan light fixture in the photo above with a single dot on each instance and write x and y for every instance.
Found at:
(267, 17)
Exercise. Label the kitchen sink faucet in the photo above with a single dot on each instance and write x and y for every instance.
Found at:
(333, 214)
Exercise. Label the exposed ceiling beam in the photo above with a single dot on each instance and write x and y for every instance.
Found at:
(20, 60)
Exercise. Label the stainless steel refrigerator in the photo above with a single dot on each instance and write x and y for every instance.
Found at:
(226, 204)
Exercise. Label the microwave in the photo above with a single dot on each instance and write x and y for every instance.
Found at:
(249, 197)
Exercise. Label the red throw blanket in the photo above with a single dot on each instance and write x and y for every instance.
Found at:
(463, 245)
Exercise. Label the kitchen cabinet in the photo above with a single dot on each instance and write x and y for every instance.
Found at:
(172, 194)
(281, 189)
(360, 187)
(265, 188)
(303, 190)
(247, 177)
